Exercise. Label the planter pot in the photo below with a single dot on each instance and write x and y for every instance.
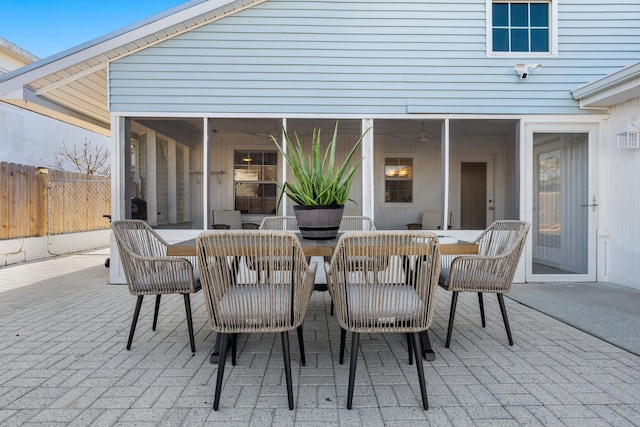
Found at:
(319, 222)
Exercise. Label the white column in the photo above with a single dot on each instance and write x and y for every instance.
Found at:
(367, 150)
(119, 185)
(205, 175)
(186, 155)
(172, 190)
(152, 183)
(283, 167)
(445, 169)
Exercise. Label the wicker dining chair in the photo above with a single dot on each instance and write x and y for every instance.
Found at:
(356, 223)
(241, 300)
(385, 281)
(149, 271)
(352, 223)
(287, 223)
(491, 271)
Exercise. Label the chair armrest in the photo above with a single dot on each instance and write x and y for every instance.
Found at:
(414, 226)
(157, 275)
(476, 273)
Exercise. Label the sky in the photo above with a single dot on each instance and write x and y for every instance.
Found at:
(46, 27)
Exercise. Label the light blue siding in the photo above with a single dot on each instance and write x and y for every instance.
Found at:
(371, 57)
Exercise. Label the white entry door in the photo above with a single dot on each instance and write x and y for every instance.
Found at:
(563, 203)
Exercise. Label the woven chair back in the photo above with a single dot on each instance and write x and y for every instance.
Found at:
(385, 281)
(287, 223)
(271, 296)
(493, 269)
(356, 223)
(148, 269)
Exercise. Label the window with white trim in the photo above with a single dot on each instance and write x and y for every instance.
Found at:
(254, 176)
(398, 180)
(522, 27)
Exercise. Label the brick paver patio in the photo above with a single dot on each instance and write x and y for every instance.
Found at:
(63, 361)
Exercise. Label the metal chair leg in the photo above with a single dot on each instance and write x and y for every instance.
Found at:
(410, 348)
(303, 359)
(221, 362)
(481, 302)
(503, 309)
(155, 312)
(234, 342)
(136, 313)
(355, 339)
(187, 306)
(343, 338)
(423, 386)
(287, 366)
(452, 315)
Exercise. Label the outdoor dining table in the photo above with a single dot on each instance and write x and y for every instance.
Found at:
(325, 248)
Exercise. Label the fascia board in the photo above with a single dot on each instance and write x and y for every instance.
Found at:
(614, 88)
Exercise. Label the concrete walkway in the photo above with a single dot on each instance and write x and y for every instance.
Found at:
(63, 331)
(604, 310)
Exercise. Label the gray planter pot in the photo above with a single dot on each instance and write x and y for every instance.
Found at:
(319, 222)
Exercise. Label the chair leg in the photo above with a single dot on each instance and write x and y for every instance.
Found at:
(287, 366)
(187, 306)
(423, 386)
(136, 313)
(355, 339)
(303, 359)
(221, 362)
(452, 315)
(343, 338)
(331, 312)
(410, 347)
(234, 342)
(503, 309)
(155, 312)
(481, 302)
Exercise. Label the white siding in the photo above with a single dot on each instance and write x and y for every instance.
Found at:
(624, 203)
(370, 57)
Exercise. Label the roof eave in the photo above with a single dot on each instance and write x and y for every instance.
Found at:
(610, 90)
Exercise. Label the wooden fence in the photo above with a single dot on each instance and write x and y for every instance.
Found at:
(37, 204)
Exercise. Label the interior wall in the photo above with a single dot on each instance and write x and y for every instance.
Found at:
(427, 173)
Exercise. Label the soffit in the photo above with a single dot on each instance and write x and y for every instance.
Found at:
(77, 78)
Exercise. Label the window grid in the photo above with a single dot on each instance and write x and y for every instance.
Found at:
(254, 176)
(398, 173)
(521, 26)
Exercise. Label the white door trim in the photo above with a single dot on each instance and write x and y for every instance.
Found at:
(592, 130)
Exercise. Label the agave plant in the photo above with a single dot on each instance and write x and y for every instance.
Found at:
(316, 178)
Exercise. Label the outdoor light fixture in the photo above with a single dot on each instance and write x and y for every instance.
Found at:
(42, 170)
(524, 70)
(422, 135)
(629, 137)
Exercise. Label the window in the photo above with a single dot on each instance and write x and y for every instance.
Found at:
(398, 180)
(254, 177)
(522, 27)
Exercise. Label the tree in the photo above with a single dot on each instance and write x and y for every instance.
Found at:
(88, 159)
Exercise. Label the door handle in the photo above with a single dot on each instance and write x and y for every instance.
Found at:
(592, 205)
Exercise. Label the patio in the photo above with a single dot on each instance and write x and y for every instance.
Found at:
(63, 362)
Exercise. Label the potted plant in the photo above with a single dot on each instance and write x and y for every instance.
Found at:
(319, 187)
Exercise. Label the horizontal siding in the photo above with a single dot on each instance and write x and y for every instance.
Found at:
(370, 57)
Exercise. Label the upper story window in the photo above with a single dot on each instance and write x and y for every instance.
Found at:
(254, 176)
(398, 180)
(522, 27)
